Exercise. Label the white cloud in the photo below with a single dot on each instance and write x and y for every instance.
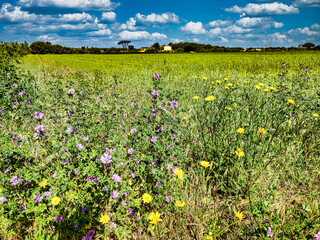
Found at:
(264, 9)
(220, 23)
(305, 31)
(176, 40)
(225, 40)
(76, 17)
(130, 25)
(11, 13)
(193, 28)
(109, 16)
(315, 26)
(158, 18)
(236, 29)
(280, 38)
(263, 22)
(138, 35)
(101, 32)
(215, 31)
(99, 5)
(306, 3)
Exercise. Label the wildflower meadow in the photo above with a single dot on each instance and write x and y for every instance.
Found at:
(179, 146)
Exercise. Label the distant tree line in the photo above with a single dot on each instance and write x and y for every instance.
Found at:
(15, 49)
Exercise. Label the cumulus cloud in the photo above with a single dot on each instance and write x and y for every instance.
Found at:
(306, 3)
(305, 31)
(220, 23)
(315, 26)
(138, 35)
(262, 22)
(76, 17)
(109, 16)
(158, 18)
(280, 38)
(264, 9)
(130, 24)
(9, 13)
(98, 5)
(101, 32)
(193, 28)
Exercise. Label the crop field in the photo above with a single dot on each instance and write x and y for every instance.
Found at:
(160, 146)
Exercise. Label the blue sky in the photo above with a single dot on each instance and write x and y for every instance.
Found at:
(102, 23)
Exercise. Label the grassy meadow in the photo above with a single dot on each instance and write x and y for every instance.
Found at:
(161, 146)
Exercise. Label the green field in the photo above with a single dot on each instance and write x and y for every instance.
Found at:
(218, 146)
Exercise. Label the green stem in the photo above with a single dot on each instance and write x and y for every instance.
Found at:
(226, 228)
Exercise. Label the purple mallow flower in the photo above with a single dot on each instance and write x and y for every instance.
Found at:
(21, 93)
(154, 139)
(38, 198)
(58, 218)
(132, 174)
(38, 115)
(270, 234)
(106, 158)
(155, 93)
(156, 76)
(15, 180)
(90, 235)
(69, 130)
(39, 128)
(132, 130)
(80, 146)
(174, 104)
(114, 194)
(86, 139)
(317, 236)
(116, 178)
(124, 203)
(168, 199)
(15, 85)
(71, 91)
(2, 199)
(22, 208)
(130, 151)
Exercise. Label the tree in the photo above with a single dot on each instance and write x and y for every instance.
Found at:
(124, 43)
(131, 47)
(156, 46)
(308, 45)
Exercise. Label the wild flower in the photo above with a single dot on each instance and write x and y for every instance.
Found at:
(104, 219)
(204, 78)
(180, 204)
(205, 164)
(2, 199)
(227, 108)
(262, 131)
(38, 115)
(116, 178)
(239, 215)
(240, 130)
(154, 139)
(195, 97)
(106, 158)
(15, 180)
(154, 217)
(37, 198)
(316, 115)
(317, 236)
(39, 128)
(184, 118)
(44, 183)
(239, 152)
(270, 234)
(218, 81)
(174, 104)
(226, 79)
(156, 76)
(291, 101)
(168, 199)
(261, 84)
(55, 201)
(266, 90)
(69, 130)
(257, 87)
(86, 139)
(130, 151)
(80, 146)
(58, 218)
(179, 172)
(210, 98)
(229, 84)
(272, 88)
(146, 198)
(114, 194)
(71, 91)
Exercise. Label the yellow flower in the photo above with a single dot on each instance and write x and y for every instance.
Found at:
(210, 98)
(205, 164)
(261, 84)
(55, 201)
(186, 91)
(262, 131)
(240, 130)
(208, 237)
(210, 87)
(180, 204)
(257, 87)
(316, 115)
(146, 198)
(229, 84)
(235, 105)
(266, 90)
(179, 172)
(204, 84)
(195, 97)
(227, 88)
(154, 217)
(291, 101)
(204, 78)
(226, 79)
(104, 219)
(184, 118)
(239, 215)
(212, 83)
(238, 84)
(245, 81)
(44, 183)
(272, 88)
(228, 108)
(239, 152)
(218, 81)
